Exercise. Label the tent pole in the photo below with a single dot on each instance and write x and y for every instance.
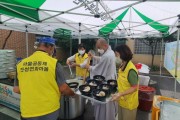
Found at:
(152, 22)
(86, 28)
(70, 46)
(108, 40)
(27, 46)
(60, 13)
(177, 53)
(7, 20)
(148, 0)
(0, 19)
(116, 41)
(79, 33)
(17, 12)
(111, 17)
(67, 12)
(20, 6)
(124, 7)
(162, 44)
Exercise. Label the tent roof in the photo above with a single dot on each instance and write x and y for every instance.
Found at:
(48, 15)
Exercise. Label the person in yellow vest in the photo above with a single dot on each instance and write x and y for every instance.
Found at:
(41, 82)
(79, 60)
(128, 84)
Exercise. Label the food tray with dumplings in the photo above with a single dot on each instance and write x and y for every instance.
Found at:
(98, 89)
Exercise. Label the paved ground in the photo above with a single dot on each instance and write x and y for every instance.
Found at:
(164, 86)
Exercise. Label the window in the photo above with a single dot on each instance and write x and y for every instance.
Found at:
(142, 48)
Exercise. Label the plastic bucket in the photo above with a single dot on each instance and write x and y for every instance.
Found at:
(146, 95)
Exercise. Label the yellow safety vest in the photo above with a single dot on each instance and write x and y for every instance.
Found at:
(79, 60)
(129, 101)
(40, 93)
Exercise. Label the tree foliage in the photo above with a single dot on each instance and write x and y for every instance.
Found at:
(152, 42)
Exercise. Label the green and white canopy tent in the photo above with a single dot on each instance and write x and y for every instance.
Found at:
(86, 18)
(92, 18)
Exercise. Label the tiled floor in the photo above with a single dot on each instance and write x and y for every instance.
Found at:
(9, 112)
(141, 115)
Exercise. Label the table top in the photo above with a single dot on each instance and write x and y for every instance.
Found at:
(7, 82)
(93, 99)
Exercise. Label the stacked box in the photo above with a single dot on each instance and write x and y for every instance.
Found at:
(7, 62)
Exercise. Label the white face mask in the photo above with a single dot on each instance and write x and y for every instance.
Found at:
(81, 52)
(101, 51)
(36, 45)
(118, 60)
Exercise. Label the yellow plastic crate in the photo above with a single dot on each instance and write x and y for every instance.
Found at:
(155, 108)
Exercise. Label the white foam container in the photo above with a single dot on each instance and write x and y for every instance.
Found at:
(144, 80)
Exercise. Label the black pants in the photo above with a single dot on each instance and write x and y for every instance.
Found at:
(51, 116)
(26, 119)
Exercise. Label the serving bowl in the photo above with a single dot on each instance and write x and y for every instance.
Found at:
(85, 90)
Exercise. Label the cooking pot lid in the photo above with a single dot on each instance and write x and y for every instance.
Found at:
(73, 84)
(99, 77)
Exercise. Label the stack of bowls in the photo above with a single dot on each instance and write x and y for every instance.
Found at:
(113, 85)
(7, 62)
(99, 88)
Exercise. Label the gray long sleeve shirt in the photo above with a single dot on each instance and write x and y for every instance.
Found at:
(106, 65)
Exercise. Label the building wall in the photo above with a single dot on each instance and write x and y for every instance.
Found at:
(61, 54)
(143, 58)
(146, 59)
(17, 42)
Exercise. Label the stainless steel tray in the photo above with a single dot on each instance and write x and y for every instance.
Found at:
(93, 99)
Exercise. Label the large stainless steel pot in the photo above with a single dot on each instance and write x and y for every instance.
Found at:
(72, 107)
